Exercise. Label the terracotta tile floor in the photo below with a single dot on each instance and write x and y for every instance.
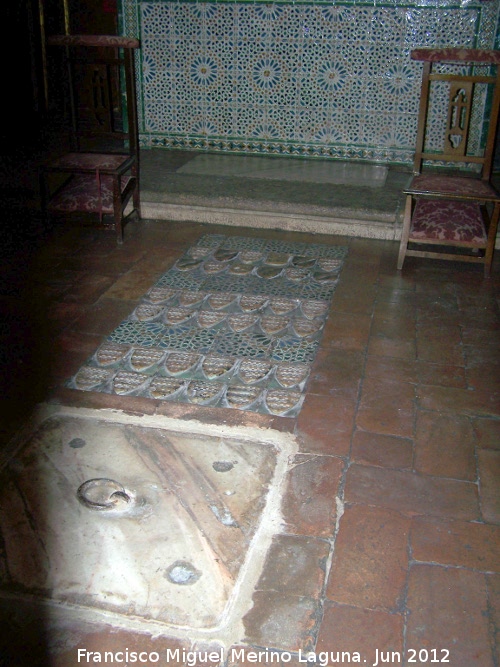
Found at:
(390, 546)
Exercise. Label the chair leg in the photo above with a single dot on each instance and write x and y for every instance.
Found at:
(119, 224)
(118, 209)
(136, 195)
(405, 234)
(119, 228)
(492, 234)
(136, 199)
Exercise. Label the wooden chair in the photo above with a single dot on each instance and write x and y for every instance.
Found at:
(453, 214)
(100, 173)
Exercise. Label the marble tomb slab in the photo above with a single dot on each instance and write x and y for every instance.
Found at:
(148, 519)
(275, 168)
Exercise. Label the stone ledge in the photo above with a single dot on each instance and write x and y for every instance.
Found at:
(342, 225)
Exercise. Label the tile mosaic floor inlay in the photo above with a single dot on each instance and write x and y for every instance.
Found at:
(235, 323)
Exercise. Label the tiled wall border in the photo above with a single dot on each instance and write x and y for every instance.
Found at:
(362, 106)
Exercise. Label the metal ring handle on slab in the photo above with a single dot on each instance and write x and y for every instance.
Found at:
(103, 494)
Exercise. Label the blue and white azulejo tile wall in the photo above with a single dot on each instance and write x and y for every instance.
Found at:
(312, 79)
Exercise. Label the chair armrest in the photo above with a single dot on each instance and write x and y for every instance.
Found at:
(457, 55)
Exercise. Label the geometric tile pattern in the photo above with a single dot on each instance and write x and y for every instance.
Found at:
(235, 323)
(312, 79)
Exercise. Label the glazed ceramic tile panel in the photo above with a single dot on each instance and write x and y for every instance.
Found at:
(307, 79)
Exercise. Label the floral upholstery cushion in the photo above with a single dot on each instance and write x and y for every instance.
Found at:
(443, 221)
(90, 161)
(453, 185)
(86, 193)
